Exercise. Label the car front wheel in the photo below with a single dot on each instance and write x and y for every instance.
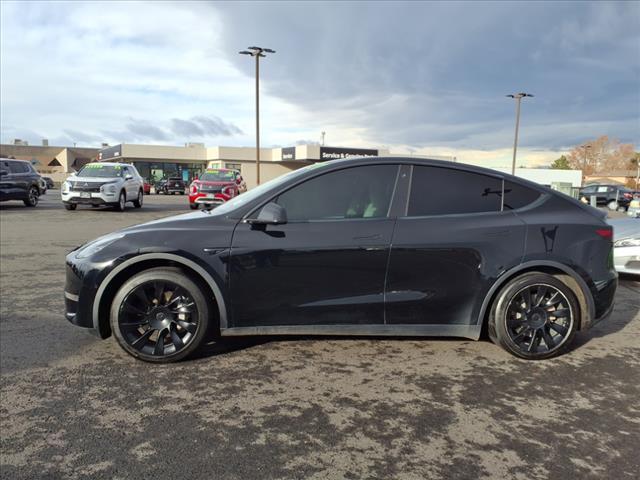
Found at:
(160, 315)
(70, 206)
(535, 316)
(138, 202)
(122, 202)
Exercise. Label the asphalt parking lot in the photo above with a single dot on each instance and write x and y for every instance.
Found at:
(73, 406)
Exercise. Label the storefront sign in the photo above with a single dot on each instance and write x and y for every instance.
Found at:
(289, 153)
(109, 153)
(333, 153)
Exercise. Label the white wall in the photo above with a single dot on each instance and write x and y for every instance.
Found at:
(546, 176)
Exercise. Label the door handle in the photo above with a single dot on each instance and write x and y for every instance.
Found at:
(375, 236)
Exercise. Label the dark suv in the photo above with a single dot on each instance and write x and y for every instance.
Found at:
(19, 181)
(172, 185)
(615, 197)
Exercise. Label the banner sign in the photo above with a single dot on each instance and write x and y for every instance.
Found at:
(110, 152)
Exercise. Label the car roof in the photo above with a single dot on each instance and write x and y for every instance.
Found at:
(109, 164)
(15, 160)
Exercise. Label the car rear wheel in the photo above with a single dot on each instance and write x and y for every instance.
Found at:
(612, 205)
(160, 315)
(138, 202)
(32, 197)
(535, 316)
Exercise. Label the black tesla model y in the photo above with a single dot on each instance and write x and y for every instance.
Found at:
(364, 246)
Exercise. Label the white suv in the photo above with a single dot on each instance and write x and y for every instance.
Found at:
(103, 183)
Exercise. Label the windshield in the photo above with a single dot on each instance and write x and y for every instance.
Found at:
(255, 192)
(99, 170)
(212, 175)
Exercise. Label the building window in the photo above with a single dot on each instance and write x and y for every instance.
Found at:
(233, 166)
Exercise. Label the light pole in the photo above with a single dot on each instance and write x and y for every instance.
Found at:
(518, 97)
(584, 160)
(323, 134)
(257, 52)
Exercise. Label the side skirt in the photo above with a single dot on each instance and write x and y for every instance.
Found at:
(466, 331)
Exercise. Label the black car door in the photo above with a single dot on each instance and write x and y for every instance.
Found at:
(327, 264)
(454, 240)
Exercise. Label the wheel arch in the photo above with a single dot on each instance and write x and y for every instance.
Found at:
(564, 273)
(116, 278)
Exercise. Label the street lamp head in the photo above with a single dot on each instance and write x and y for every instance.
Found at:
(268, 50)
(257, 49)
(244, 52)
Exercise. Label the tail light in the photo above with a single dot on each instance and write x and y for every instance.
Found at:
(606, 233)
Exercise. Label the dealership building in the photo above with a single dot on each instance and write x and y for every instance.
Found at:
(155, 162)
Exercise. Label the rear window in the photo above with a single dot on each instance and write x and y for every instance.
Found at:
(446, 191)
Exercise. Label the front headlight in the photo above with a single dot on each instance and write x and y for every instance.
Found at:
(109, 188)
(66, 186)
(95, 246)
(627, 242)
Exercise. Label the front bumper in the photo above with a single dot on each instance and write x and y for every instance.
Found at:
(79, 292)
(208, 198)
(89, 198)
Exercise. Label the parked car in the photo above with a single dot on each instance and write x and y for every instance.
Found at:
(42, 185)
(626, 246)
(48, 182)
(615, 197)
(360, 246)
(171, 185)
(19, 181)
(146, 188)
(103, 183)
(216, 186)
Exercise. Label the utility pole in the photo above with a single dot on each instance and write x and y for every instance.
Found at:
(518, 97)
(257, 52)
(323, 134)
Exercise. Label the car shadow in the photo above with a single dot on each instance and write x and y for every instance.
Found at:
(627, 309)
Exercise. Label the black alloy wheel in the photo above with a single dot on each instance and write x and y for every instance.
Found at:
(32, 197)
(534, 317)
(159, 315)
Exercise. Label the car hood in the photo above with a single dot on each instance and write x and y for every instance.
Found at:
(214, 184)
(94, 179)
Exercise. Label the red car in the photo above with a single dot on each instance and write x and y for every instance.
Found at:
(146, 187)
(215, 186)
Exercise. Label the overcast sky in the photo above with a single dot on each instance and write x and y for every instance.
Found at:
(412, 77)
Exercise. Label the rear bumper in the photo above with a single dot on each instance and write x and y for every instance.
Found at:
(627, 260)
(603, 298)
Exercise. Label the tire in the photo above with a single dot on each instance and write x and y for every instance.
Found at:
(32, 197)
(138, 202)
(146, 328)
(70, 206)
(523, 320)
(612, 205)
(193, 206)
(122, 202)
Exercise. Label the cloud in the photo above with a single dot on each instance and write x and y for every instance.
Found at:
(421, 76)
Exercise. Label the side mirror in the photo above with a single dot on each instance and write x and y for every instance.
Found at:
(271, 214)
(128, 177)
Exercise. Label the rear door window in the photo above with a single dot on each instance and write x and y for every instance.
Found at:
(447, 191)
(518, 196)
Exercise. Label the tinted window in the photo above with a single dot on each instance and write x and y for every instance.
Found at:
(445, 191)
(19, 167)
(518, 196)
(359, 192)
